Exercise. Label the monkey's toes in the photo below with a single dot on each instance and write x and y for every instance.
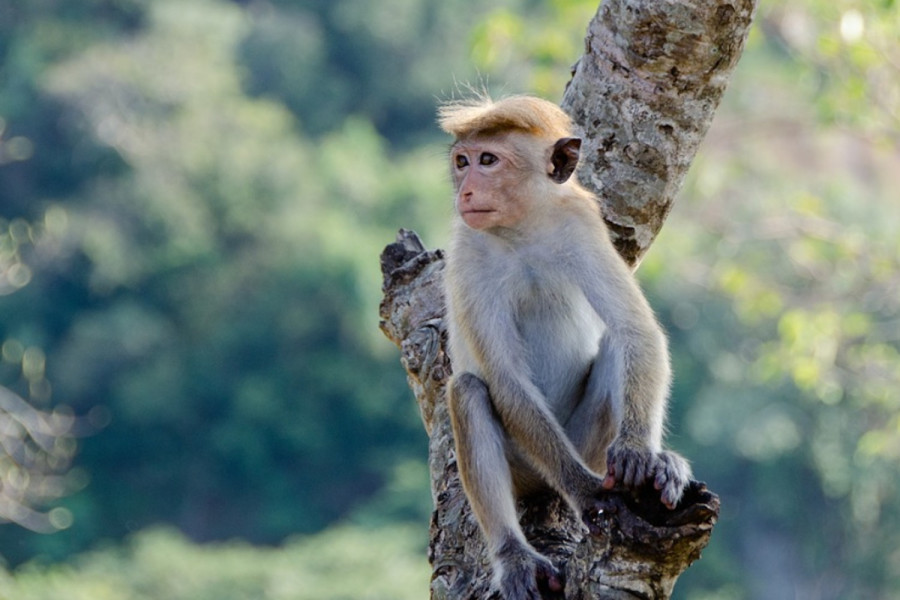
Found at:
(550, 581)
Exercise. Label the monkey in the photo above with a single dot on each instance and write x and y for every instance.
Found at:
(561, 370)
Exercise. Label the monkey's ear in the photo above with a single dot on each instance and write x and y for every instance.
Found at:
(564, 158)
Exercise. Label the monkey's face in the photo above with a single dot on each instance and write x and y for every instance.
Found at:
(488, 175)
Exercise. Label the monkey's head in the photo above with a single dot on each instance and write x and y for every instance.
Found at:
(510, 158)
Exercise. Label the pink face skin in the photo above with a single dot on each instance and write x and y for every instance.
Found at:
(486, 174)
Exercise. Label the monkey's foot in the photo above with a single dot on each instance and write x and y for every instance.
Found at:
(550, 582)
(526, 575)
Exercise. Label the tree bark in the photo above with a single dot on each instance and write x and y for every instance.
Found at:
(642, 96)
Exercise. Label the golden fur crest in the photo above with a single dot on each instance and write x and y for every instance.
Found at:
(480, 115)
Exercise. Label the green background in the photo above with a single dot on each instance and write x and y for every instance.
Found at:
(193, 198)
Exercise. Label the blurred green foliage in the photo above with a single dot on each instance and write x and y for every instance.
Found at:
(193, 196)
(208, 291)
(161, 563)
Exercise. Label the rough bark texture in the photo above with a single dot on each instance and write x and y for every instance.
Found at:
(643, 96)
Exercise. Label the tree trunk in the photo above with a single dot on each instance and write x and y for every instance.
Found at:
(642, 96)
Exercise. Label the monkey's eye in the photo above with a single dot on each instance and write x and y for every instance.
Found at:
(487, 159)
(461, 161)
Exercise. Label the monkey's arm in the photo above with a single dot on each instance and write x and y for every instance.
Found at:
(639, 344)
(641, 354)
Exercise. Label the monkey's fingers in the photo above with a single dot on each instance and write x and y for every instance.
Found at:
(635, 471)
(672, 475)
(609, 482)
(629, 466)
(671, 495)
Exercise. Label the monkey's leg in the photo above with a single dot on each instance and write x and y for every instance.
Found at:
(594, 422)
(520, 572)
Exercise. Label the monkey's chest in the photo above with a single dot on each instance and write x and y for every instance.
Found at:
(560, 332)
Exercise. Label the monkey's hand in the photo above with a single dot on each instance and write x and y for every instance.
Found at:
(634, 466)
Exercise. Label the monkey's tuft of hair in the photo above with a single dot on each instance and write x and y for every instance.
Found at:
(481, 115)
